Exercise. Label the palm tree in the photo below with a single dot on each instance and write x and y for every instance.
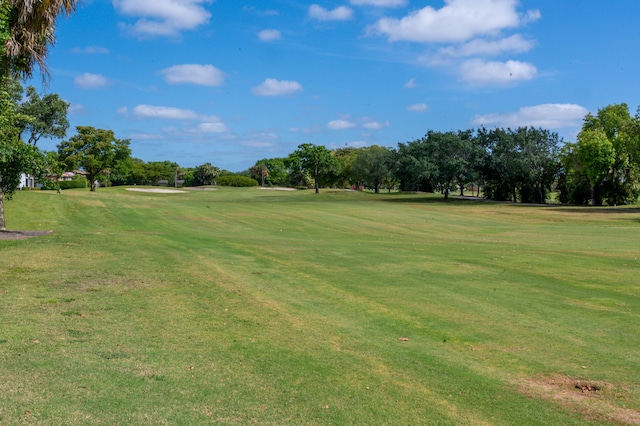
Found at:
(31, 30)
(27, 29)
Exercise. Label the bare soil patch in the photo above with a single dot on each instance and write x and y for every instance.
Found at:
(589, 398)
(21, 235)
(157, 190)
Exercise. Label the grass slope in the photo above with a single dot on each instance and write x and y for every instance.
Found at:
(250, 306)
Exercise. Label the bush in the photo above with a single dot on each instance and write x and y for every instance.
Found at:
(235, 180)
(68, 184)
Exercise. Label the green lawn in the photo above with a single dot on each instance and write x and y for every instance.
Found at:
(247, 306)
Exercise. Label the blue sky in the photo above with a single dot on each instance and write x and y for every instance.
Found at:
(231, 82)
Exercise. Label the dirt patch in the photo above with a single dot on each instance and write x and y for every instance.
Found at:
(589, 398)
(21, 235)
(157, 190)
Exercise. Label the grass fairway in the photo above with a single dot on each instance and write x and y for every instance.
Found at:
(266, 307)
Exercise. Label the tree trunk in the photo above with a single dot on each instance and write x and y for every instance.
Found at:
(593, 195)
(93, 186)
(315, 178)
(2, 223)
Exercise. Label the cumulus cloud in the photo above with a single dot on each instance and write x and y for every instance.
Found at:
(340, 13)
(457, 21)
(163, 17)
(269, 35)
(548, 116)
(91, 81)
(421, 107)
(204, 75)
(479, 72)
(378, 3)
(340, 124)
(273, 87)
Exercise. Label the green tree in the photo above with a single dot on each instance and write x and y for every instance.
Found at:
(317, 161)
(346, 157)
(415, 166)
(48, 116)
(261, 171)
(206, 174)
(16, 157)
(373, 165)
(95, 151)
(28, 30)
(597, 154)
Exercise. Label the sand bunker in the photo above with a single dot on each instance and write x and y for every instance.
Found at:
(157, 190)
(278, 188)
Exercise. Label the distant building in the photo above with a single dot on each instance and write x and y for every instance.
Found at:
(26, 181)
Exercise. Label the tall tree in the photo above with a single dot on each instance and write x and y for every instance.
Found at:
(597, 154)
(373, 165)
(317, 160)
(27, 29)
(96, 151)
(16, 157)
(30, 30)
(261, 171)
(48, 116)
(206, 174)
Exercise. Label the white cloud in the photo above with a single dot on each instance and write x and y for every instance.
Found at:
(340, 124)
(379, 3)
(422, 107)
(151, 111)
(457, 21)
(273, 87)
(215, 127)
(204, 75)
(513, 44)
(91, 81)
(91, 50)
(410, 84)
(548, 116)
(376, 125)
(269, 35)
(341, 13)
(163, 17)
(479, 72)
(76, 109)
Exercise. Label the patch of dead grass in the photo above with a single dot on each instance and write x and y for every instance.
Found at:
(590, 399)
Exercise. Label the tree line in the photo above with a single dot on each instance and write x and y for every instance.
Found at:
(520, 165)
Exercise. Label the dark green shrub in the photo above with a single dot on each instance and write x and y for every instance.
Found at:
(235, 180)
(68, 184)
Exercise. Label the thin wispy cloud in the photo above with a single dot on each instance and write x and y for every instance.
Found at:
(549, 116)
(269, 35)
(421, 107)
